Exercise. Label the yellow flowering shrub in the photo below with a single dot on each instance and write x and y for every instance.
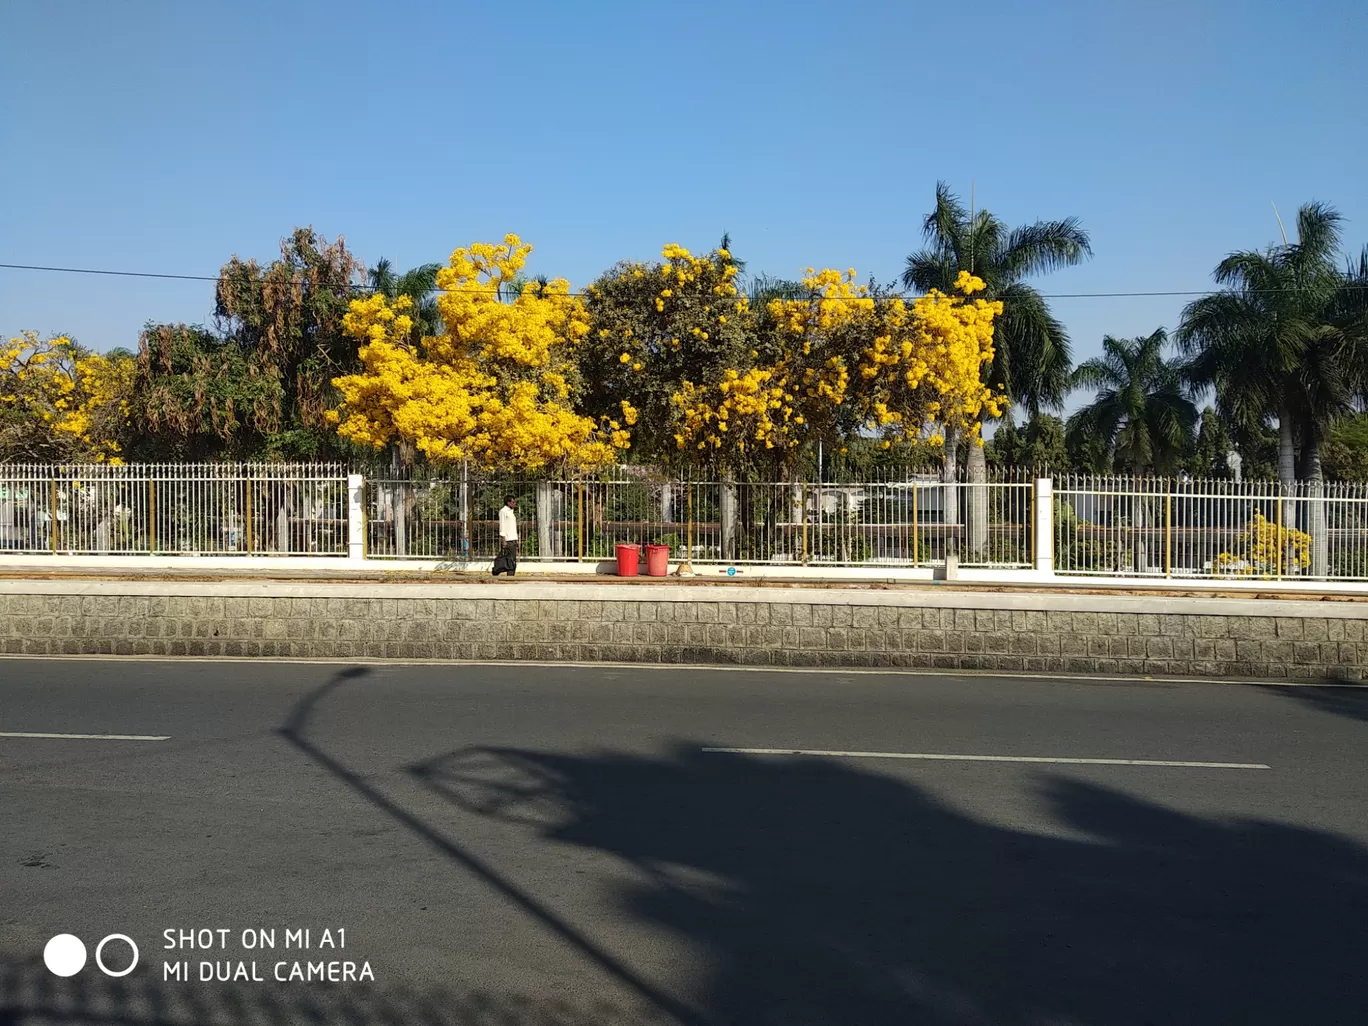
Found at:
(654, 326)
(1264, 548)
(498, 386)
(61, 403)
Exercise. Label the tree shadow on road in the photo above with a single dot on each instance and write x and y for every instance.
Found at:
(818, 891)
(822, 893)
(31, 996)
(1349, 700)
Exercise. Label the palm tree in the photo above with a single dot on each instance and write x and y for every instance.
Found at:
(1283, 339)
(419, 284)
(1140, 414)
(1031, 359)
(1141, 411)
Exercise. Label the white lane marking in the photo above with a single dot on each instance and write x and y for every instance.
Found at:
(889, 671)
(939, 757)
(87, 737)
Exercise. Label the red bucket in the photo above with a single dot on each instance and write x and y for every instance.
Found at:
(657, 560)
(628, 556)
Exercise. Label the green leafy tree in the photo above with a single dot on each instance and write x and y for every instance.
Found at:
(1211, 452)
(1283, 339)
(261, 384)
(1038, 446)
(1141, 411)
(1346, 452)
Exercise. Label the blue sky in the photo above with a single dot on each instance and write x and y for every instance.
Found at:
(167, 136)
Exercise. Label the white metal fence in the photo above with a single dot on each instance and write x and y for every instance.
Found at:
(1102, 526)
(1211, 529)
(169, 509)
(908, 523)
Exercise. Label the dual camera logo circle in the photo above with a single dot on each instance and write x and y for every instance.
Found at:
(65, 955)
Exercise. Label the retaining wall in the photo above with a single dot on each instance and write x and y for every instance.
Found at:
(698, 624)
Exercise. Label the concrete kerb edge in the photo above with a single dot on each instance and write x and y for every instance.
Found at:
(531, 590)
(1063, 677)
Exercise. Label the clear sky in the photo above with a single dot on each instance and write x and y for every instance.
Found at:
(167, 136)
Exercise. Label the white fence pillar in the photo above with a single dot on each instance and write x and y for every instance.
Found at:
(1044, 525)
(727, 512)
(1317, 522)
(356, 516)
(544, 518)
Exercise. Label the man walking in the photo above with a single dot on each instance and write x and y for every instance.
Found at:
(507, 559)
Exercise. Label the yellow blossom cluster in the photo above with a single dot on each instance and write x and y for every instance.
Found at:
(1265, 548)
(495, 387)
(752, 409)
(61, 402)
(928, 369)
(835, 301)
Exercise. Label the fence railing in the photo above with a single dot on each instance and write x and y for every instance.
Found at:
(174, 509)
(1212, 529)
(909, 523)
(1099, 526)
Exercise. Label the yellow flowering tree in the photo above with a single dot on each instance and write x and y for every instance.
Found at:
(61, 403)
(655, 326)
(791, 387)
(843, 360)
(497, 387)
(928, 369)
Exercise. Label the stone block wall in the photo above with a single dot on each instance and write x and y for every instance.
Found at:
(762, 627)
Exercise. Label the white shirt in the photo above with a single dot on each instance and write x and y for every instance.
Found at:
(508, 524)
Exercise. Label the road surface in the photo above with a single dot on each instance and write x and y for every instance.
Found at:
(542, 845)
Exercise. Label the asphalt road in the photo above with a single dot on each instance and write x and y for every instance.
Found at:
(544, 845)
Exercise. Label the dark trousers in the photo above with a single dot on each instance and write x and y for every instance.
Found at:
(506, 562)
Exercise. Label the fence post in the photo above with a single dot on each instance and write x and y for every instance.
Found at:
(915, 554)
(977, 505)
(1044, 525)
(356, 516)
(1317, 522)
(544, 517)
(465, 510)
(1168, 534)
(727, 510)
(250, 529)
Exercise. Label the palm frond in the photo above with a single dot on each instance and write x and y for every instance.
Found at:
(1046, 246)
(381, 278)
(764, 288)
(1097, 373)
(1032, 354)
(943, 227)
(417, 282)
(1318, 232)
(929, 269)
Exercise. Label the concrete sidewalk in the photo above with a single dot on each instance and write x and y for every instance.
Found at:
(346, 572)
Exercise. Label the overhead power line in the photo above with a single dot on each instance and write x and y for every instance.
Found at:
(582, 294)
